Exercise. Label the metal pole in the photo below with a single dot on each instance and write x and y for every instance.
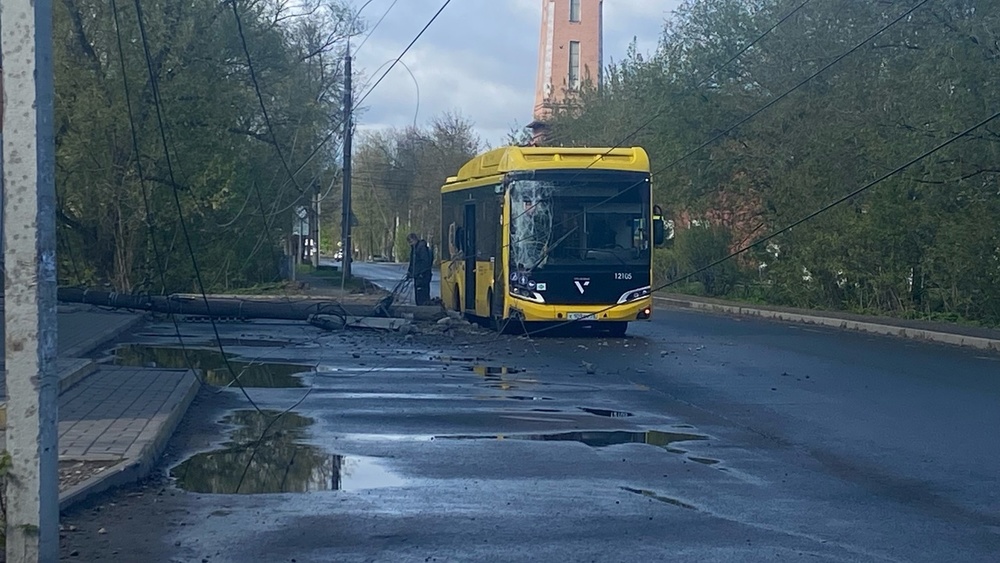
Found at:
(30, 288)
(348, 133)
(314, 225)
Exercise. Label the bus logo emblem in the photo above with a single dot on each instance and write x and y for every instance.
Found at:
(581, 285)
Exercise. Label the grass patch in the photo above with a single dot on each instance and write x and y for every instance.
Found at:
(334, 278)
(262, 289)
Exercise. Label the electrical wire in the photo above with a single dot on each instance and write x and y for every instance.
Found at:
(379, 81)
(374, 27)
(754, 113)
(899, 169)
(703, 81)
(157, 102)
(260, 97)
(144, 188)
(788, 92)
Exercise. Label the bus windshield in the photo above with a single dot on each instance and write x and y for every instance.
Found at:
(574, 217)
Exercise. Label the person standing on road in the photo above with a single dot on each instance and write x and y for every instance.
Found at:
(421, 264)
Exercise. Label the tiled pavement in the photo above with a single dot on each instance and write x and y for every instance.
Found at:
(118, 410)
(117, 419)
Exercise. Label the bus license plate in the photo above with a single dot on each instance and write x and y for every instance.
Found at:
(579, 316)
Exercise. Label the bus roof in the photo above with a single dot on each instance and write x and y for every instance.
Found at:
(508, 159)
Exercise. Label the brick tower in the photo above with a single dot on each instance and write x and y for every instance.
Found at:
(570, 53)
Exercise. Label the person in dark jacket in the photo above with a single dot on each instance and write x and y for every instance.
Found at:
(421, 264)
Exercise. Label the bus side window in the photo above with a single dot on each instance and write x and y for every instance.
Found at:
(452, 241)
(458, 241)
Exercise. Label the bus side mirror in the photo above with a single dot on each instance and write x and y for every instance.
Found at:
(663, 228)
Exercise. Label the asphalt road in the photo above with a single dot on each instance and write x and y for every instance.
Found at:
(707, 439)
(386, 275)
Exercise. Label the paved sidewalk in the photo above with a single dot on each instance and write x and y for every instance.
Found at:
(114, 421)
(945, 333)
(118, 420)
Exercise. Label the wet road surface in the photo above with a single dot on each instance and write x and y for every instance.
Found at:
(386, 275)
(697, 438)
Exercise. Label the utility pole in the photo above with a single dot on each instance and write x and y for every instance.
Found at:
(348, 134)
(314, 225)
(30, 283)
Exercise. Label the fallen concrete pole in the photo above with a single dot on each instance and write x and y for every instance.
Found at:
(333, 322)
(240, 308)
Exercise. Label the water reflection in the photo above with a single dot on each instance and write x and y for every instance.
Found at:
(278, 463)
(596, 438)
(212, 365)
(606, 412)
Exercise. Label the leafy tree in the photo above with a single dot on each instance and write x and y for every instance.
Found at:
(921, 243)
(228, 165)
(397, 179)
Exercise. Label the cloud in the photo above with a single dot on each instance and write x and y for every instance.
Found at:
(478, 58)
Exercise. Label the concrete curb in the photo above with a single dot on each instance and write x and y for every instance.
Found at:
(79, 369)
(141, 458)
(977, 342)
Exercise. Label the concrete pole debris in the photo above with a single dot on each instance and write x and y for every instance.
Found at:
(30, 281)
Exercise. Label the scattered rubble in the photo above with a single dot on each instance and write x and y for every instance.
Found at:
(74, 472)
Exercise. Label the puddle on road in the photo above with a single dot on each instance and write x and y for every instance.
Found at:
(606, 412)
(254, 343)
(493, 370)
(704, 460)
(659, 497)
(212, 365)
(458, 359)
(595, 438)
(326, 369)
(278, 464)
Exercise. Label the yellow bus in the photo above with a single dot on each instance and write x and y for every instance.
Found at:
(549, 235)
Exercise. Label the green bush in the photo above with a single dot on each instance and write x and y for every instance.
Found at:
(696, 249)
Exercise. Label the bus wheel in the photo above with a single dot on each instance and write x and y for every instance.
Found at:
(617, 329)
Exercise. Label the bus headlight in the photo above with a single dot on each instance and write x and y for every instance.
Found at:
(634, 294)
(527, 294)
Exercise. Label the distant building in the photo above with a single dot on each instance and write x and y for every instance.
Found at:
(570, 53)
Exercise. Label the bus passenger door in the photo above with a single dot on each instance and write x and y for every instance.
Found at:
(470, 256)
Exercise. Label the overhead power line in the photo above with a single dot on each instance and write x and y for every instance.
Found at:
(415, 39)
(260, 98)
(703, 81)
(717, 70)
(374, 27)
(894, 172)
(788, 92)
(765, 107)
(158, 106)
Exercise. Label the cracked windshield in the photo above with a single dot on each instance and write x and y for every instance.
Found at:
(578, 219)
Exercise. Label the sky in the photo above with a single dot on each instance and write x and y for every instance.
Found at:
(478, 59)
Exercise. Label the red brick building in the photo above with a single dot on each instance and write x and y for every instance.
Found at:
(570, 53)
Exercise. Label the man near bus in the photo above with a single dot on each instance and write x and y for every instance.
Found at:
(421, 264)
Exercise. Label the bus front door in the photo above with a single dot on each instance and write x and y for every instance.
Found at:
(470, 257)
